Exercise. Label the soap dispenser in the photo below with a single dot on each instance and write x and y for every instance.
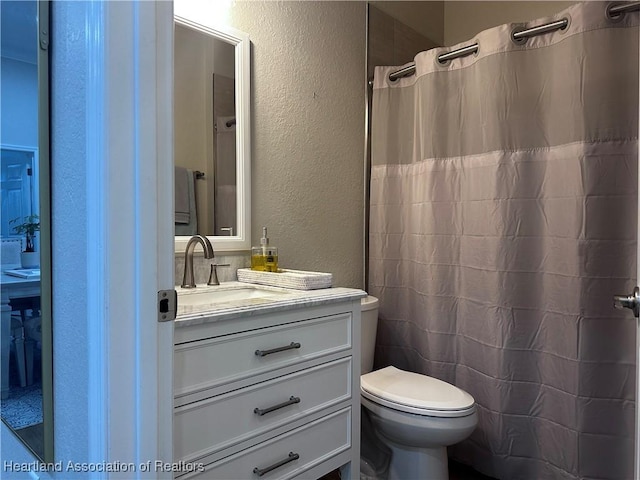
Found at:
(265, 257)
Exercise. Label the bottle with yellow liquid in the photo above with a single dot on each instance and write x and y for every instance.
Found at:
(265, 257)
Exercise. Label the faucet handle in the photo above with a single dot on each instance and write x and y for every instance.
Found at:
(213, 275)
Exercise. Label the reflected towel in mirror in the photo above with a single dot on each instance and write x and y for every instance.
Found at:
(182, 181)
(186, 220)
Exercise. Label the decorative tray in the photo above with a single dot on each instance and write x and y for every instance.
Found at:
(296, 279)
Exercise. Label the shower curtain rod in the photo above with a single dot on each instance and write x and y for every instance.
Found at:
(518, 36)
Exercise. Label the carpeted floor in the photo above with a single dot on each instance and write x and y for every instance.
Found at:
(23, 407)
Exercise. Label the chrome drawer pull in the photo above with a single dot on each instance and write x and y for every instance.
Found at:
(261, 471)
(292, 400)
(291, 346)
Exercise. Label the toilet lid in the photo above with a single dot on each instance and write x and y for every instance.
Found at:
(415, 393)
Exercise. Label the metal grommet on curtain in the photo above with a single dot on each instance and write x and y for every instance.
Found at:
(518, 29)
(565, 29)
(443, 63)
(444, 59)
(520, 34)
(613, 17)
(477, 52)
(407, 71)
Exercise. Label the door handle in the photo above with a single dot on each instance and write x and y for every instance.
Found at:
(261, 471)
(291, 346)
(631, 302)
(261, 411)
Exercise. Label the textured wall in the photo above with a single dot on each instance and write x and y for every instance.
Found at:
(19, 100)
(462, 20)
(71, 340)
(308, 103)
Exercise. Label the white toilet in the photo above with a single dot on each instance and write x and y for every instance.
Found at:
(415, 416)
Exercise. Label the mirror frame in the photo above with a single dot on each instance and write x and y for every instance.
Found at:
(242, 238)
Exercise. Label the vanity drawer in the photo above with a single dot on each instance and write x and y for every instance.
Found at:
(312, 443)
(226, 420)
(217, 361)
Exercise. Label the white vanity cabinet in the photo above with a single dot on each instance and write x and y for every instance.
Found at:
(270, 392)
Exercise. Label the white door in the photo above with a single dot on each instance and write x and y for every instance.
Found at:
(112, 239)
(139, 201)
(112, 190)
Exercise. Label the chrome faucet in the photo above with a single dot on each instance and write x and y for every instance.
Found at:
(188, 280)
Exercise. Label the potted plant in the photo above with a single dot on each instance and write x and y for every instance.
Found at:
(31, 224)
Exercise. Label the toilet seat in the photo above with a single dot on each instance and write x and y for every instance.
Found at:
(414, 393)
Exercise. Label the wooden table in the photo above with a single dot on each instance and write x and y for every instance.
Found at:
(11, 287)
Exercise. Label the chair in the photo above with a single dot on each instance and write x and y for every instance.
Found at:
(25, 330)
(10, 249)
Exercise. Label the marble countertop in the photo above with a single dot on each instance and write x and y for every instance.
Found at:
(282, 299)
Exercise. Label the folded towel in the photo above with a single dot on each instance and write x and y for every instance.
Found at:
(186, 221)
(286, 278)
(183, 187)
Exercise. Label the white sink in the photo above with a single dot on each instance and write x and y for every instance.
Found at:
(226, 295)
(203, 298)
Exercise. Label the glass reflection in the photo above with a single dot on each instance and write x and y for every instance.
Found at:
(205, 134)
(21, 406)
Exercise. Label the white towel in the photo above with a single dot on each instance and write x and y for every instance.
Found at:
(183, 186)
(190, 226)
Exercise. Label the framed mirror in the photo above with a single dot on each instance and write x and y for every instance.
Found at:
(26, 362)
(212, 148)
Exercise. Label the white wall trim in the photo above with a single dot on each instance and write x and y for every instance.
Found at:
(138, 161)
(97, 268)
(165, 228)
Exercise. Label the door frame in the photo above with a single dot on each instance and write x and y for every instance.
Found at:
(107, 280)
(112, 238)
(135, 188)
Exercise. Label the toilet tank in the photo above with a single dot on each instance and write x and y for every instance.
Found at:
(368, 329)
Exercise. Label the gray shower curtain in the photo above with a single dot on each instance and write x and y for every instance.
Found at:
(503, 220)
